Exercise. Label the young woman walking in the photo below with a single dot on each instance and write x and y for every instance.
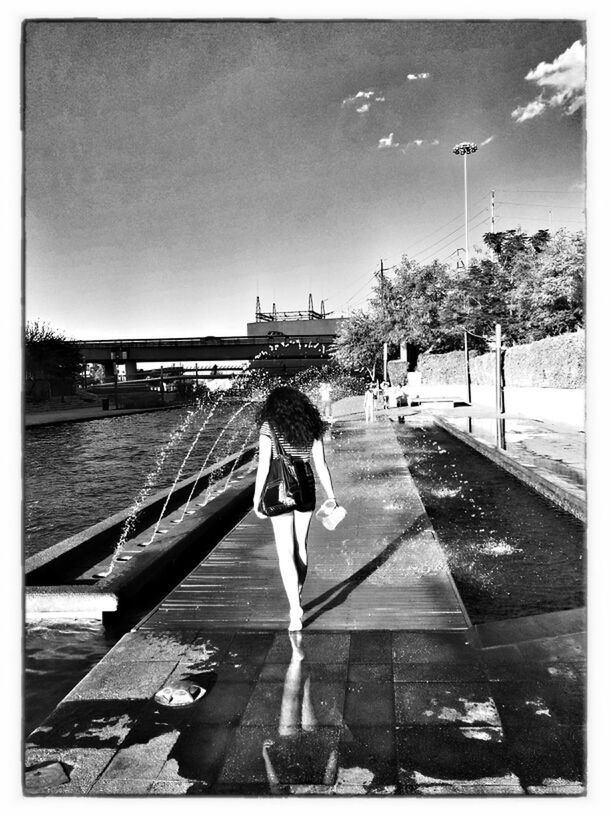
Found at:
(288, 417)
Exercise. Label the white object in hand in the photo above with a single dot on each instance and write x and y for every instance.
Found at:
(331, 514)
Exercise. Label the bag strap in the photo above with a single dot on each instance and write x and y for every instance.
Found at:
(279, 450)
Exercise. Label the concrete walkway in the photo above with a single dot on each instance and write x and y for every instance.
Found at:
(372, 698)
(36, 418)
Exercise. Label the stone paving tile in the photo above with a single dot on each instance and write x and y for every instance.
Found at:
(198, 754)
(563, 647)
(306, 758)
(328, 672)
(83, 765)
(438, 673)
(542, 754)
(507, 654)
(370, 672)
(87, 724)
(207, 650)
(428, 647)
(504, 786)
(129, 786)
(541, 670)
(467, 704)
(143, 760)
(181, 787)
(367, 760)
(225, 703)
(326, 702)
(122, 681)
(450, 758)
(559, 702)
(558, 787)
(250, 647)
(151, 646)
(369, 704)
(318, 647)
(371, 647)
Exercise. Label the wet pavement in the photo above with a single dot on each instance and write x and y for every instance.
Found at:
(482, 711)
(405, 713)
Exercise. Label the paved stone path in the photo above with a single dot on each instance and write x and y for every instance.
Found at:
(371, 708)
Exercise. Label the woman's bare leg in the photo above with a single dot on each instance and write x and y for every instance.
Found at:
(283, 527)
(301, 526)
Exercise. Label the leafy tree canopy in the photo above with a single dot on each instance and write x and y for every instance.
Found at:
(49, 354)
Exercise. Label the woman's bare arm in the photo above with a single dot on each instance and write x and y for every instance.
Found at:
(263, 466)
(318, 457)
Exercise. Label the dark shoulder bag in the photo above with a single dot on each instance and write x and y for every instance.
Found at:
(281, 491)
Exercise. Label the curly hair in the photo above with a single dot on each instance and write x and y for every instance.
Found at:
(293, 415)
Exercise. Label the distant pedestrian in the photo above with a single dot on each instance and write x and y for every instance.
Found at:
(368, 404)
(325, 392)
(385, 395)
(289, 421)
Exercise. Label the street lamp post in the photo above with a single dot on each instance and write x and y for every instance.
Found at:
(464, 149)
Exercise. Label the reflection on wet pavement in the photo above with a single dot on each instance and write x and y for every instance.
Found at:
(373, 712)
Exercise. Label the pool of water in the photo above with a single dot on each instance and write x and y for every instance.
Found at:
(78, 473)
(512, 553)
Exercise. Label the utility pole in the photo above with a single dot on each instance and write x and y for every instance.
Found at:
(492, 225)
(116, 386)
(466, 359)
(382, 297)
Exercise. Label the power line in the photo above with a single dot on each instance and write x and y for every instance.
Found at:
(428, 257)
(543, 192)
(452, 220)
(550, 206)
(458, 229)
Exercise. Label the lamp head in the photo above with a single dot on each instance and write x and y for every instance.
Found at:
(464, 148)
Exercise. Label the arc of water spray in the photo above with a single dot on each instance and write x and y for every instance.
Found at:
(209, 454)
(182, 467)
(245, 372)
(128, 526)
(233, 468)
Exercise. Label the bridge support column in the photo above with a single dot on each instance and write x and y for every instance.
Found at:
(130, 369)
(109, 369)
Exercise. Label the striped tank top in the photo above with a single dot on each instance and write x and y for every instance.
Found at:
(296, 452)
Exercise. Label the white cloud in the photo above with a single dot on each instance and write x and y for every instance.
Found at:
(529, 111)
(416, 143)
(562, 82)
(362, 100)
(387, 141)
(412, 77)
(487, 141)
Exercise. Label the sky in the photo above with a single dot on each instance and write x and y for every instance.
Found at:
(174, 171)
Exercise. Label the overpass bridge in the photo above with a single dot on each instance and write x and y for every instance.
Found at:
(275, 350)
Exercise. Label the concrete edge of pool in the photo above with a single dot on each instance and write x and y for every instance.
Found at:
(568, 498)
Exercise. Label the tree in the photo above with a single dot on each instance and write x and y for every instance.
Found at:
(551, 294)
(49, 356)
(358, 345)
(425, 307)
(510, 244)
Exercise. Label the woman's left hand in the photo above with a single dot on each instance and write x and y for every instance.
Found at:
(258, 512)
